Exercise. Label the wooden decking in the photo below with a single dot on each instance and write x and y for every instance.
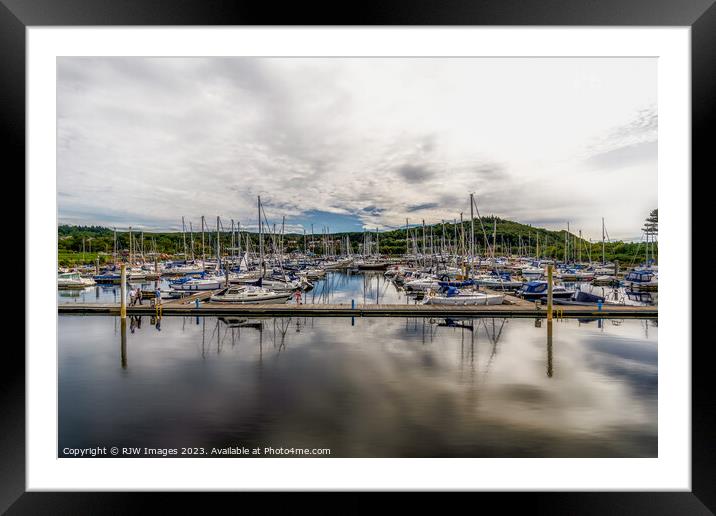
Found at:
(522, 309)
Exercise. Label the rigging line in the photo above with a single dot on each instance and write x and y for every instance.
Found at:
(487, 242)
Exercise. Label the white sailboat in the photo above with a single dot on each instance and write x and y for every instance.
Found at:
(237, 294)
(454, 297)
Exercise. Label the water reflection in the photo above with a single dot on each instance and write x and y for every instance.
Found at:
(385, 387)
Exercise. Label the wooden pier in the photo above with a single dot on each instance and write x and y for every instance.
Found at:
(188, 307)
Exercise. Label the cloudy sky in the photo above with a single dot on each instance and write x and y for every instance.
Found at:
(353, 143)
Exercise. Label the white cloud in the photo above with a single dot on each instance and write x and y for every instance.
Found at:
(143, 141)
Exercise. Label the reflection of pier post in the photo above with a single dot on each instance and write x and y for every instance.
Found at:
(549, 348)
(123, 342)
(549, 293)
(123, 292)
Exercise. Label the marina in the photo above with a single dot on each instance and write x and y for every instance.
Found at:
(358, 257)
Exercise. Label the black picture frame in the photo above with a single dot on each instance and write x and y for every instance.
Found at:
(700, 15)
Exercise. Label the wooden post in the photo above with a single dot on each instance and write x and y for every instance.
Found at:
(96, 266)
(123, 342)
(123, 291)
(549, 292)
(549, 348)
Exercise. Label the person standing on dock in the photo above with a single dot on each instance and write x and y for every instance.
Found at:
(132, 297)
(139, 295)
(157, 296)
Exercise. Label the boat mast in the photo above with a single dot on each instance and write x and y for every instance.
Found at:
(603, 262)
(203, 249)
(494, 236)
(261, 240)
(191, 240)
(218, 246)
(472, 231)
(283, 227)
(407, 237)
(183, 235)
(462, 237)
(233, 244)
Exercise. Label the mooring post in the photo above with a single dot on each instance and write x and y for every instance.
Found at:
(96, 266)
(549, 349)
(549, 292)
(123, 292)
(123, 342)
(353, 304)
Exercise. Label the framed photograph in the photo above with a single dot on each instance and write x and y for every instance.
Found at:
(415, 250)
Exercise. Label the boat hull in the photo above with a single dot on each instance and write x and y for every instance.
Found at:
(278, 299)
(487, 299)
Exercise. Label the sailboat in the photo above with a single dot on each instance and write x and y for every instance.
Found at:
(250, 294)
(452, 296)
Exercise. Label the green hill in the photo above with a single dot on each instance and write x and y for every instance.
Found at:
(84, 244)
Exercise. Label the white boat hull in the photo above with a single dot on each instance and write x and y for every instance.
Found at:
(466, 300)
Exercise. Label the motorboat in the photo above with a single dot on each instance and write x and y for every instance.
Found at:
(605, 280)
(312, 274)
(538, 289)
(189, 284)
(372, 266)
(422, 284)
(338, 264)
(106, 277)
(532, 272)
(499, 282)
(580, 298)
(641, 279)
(180, 269)
(249, 294)
(74, 280)
(575, 275)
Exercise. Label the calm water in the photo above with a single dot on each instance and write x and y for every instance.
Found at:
(368, 387)
(341, 287)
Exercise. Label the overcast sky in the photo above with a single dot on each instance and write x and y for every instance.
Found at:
(353, 143)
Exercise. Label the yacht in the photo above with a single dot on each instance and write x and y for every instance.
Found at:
(452, 296)
(641, 279)
(538, 289)
(74, 280)
(196, 284)
(247, 294)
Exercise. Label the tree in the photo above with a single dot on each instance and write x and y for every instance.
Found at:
(651, 225)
